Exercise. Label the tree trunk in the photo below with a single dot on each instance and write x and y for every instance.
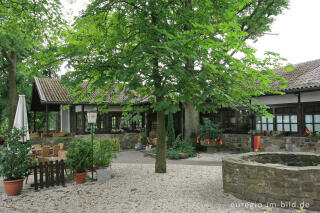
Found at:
(191, 122)
(12, 68)
(160, 165)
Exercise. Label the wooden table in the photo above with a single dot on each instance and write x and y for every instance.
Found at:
(55, 158)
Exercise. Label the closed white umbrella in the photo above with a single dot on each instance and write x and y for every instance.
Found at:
(21, 119)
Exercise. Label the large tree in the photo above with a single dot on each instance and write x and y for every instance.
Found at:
(176, 51)
(29, 33)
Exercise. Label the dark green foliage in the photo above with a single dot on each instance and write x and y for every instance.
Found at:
(14, 159)
(181, 146)
(30, 35)
(104, 150)
(79, 155)
(143, 138)
(210, 130)
(173, 153)
(257, 16)
(152, 151)
(170, 130)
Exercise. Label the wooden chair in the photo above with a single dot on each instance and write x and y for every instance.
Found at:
(61, 145)
(62, 154)
(37, 146)
(43, 160)
(45, 151)
(56, 150)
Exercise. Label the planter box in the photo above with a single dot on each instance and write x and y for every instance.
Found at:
(211, 147)
(59, 134)
(183, 155)
(103, 174)
(34, 135)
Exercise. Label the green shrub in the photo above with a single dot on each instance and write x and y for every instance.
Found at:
(79, 155)
(143, 138)
(210, 130)
(15, 162)
(152, 151)
(183, 146)
(104, 150)
(173, 153)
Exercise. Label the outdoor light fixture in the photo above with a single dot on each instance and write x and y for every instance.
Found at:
(92, 118)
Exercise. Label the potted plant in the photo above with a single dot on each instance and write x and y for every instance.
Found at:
(15, 162)
(79, 158)
(103, 152)
(210, 135)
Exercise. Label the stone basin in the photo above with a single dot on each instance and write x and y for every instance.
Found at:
(276, 179)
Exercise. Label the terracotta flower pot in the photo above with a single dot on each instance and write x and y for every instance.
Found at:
(13, 187)
(80, 177)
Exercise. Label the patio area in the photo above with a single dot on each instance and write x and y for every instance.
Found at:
(190, 185)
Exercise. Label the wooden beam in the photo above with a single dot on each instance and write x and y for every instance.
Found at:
(34, 121)
(300, 116)
(274, 119)
(83, 119)
(47, 121)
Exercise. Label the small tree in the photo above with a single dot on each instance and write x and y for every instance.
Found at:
(15, 161)
(172, 52)
(29, 33)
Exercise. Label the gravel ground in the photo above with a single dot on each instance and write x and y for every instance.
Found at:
(203, 156)
(136, 188)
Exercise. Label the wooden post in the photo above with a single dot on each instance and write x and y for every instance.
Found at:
(47, 121)
(35, 169)
(34, 121)
(57, 173)
(274, 119)
(47, 173)
(41, 174)
(51, 174)
(62, 173)
(300, 116)
(83, 119)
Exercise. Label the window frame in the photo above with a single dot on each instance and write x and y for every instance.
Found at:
(313, 121)
(267, 123)
(289, 123)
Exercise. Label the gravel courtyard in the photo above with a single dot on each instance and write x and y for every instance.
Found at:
(136, 188)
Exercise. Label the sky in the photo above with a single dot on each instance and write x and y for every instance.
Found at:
(299, 33)
(298, 30)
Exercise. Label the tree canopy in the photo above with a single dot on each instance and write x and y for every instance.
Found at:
(29, 35)
(176, 51)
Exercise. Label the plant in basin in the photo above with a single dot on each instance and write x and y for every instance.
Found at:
(104, 151)
(210, 135)
(79, 158)
(15, 162)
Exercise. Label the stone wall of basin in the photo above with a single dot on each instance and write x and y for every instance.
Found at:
(242, 143)
(275, 185)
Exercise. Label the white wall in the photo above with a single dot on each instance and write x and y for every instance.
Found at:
(289, 98)
(310, 96)
(65, 119)
(278, 99)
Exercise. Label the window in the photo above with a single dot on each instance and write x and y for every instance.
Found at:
(287, 123)
(264, 123)
(312, 122)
